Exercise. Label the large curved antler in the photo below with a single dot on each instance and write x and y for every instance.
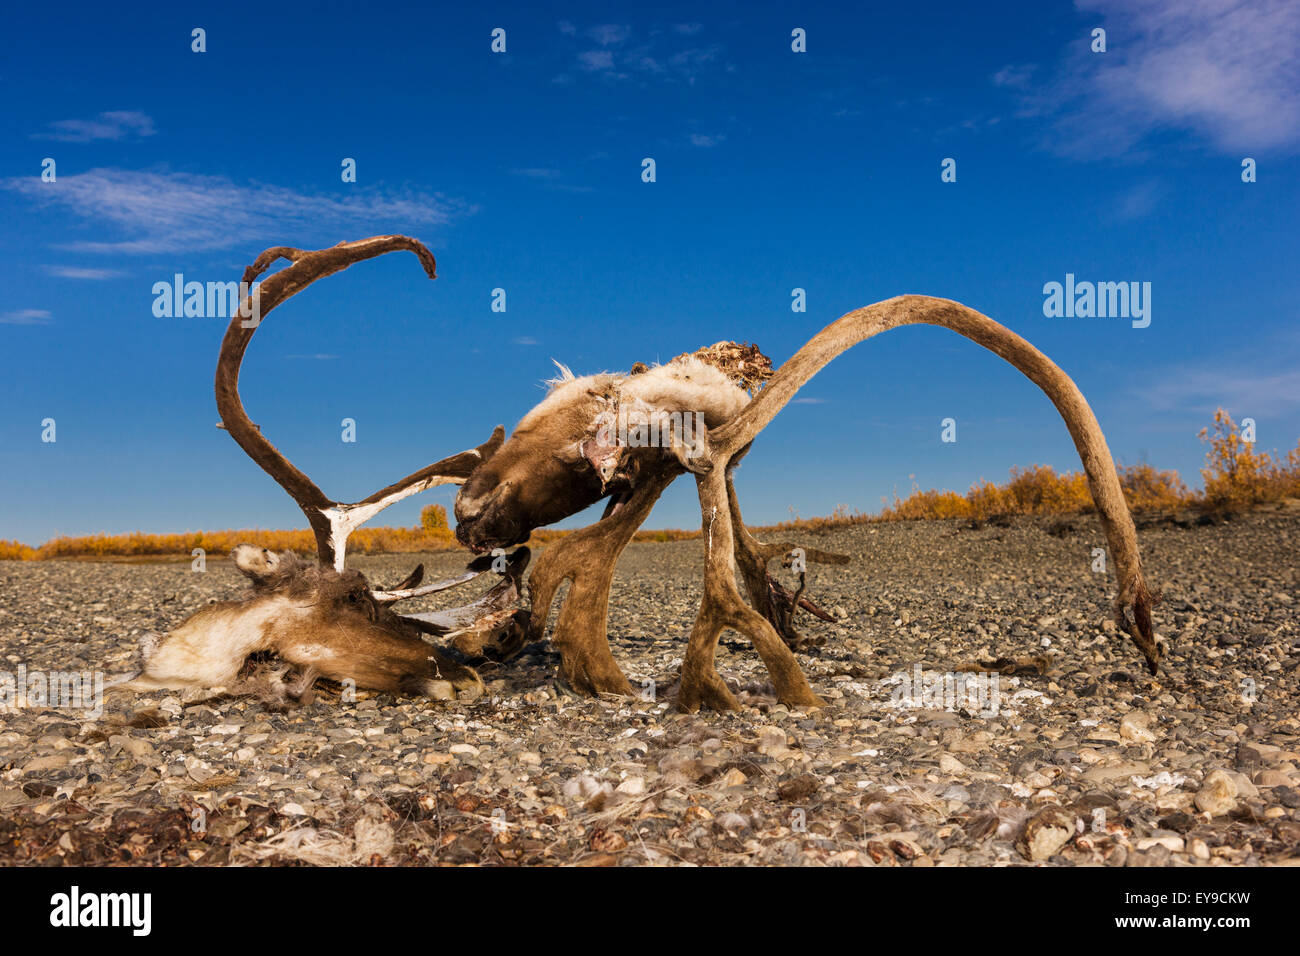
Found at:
(1103, 482)
(331, 521)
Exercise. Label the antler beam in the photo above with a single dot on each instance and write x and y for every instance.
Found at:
(1103, 481)
(331, 521)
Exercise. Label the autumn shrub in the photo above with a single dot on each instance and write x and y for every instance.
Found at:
(138, 544)
(1237, 476)
(16, 551)
(433, 518)
(1146, 489)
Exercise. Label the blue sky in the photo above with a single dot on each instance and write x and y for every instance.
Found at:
(522, 170)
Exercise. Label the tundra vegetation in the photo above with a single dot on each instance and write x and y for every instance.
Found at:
(1236, 478)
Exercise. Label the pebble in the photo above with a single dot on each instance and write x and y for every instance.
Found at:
(1218, 794)
(534, 774)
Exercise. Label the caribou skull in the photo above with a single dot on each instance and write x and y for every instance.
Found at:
(321, 618)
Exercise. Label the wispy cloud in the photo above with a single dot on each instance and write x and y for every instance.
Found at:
(318, 356)
(1228, 71)
(609, 34)
(524, 340)
(1138, 202)
(538, 172)
(79, 272)
(551, 179)
(25, 317)
(706, 141)
(160, 211)
(617, 58)
(596, 60)
(1242, 390)
(1016, 77)
(113, 125)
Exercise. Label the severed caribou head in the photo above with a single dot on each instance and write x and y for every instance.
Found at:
(593, 437)
(557, 463)
(319, 618)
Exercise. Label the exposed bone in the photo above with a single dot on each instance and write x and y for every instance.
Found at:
(766, 595)
(574, 418)
(403, 594)
(323, 622)
(504, 596)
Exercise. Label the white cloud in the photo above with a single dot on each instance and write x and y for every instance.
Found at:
(594, 60)
(616, 60)
(78, 272)
(690, 62)
(25, 317)
(168, 212)
(113, 125)
(318, 356)
(1243, 390)
(551, 179)
(1014, 76)
(524, 340)
(1137, 202)
(706, 141)
(1229, 71)
(609, 34)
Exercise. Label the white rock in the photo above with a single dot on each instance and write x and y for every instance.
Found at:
(950, 764)
(1137, 726)
(632, 786)
(1218, 794)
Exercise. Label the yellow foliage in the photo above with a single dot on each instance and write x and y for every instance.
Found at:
(433, 518)
(137, 544)
(1236, 476)
(16, 551)
(1147, 489)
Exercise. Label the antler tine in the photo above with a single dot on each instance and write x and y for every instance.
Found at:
(345, 518)
(331, 521)
(405, 594)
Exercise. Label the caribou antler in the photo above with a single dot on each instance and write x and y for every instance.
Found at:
(731, 439)
(331, 521)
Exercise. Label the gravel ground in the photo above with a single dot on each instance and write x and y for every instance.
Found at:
(1074, 756)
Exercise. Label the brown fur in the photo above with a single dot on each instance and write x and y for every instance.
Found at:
(324, 622)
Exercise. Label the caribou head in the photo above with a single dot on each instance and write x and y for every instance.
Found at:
(321, 618)
(558, 461)
(593, 437)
